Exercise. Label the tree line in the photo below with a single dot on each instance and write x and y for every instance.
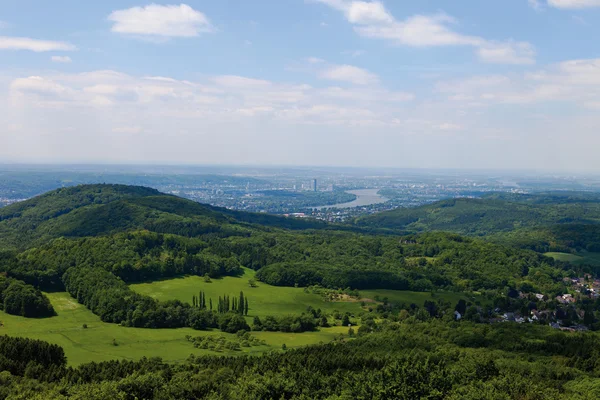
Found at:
(18, 298)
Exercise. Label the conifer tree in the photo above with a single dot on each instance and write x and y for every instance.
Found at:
(246, 306)
(210, 303)
(241, 304)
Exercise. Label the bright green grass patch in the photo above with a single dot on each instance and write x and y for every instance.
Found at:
(263, 299)
(418, 298)
(96, 342)
(577, 259)
(275, 300)
(572, 258)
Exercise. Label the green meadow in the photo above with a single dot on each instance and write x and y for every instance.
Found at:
(263, 299)
(95, 343)
(406, 297)
(577, 259)
(103, 341)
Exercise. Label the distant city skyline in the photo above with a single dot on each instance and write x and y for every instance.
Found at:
(386, 84)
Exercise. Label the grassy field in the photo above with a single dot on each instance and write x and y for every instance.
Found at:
(96, 342)
(418, 298)
(273, 300)
(579, 258)
(263, 299)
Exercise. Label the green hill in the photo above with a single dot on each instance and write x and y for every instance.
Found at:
(544, 222)
(488, 215)
(91, 210)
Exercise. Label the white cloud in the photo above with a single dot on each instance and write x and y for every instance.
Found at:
(23, 43)
(576, 82)
(574, 4)
(61, 59)
(360, 12)
(507, 53)
(420, 31)
(163, 21)
(118, 117)
(372, 20)
(349, 73)
(219, 98)
(235, 81)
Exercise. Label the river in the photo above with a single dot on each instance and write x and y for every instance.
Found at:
(364, 197)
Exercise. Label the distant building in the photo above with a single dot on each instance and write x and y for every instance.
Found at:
(314, 185)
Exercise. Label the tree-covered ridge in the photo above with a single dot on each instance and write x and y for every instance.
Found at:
(91, 210)
(488, 215)
(133, 256)
(397, 360)
(420, 262)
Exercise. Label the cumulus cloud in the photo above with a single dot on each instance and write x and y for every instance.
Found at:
(61, 59)
(112, 116)
(163, 21)
(24, 43)
(372, 20)
(575, 81)
(349, 73)
(507, 53)
(574, 4)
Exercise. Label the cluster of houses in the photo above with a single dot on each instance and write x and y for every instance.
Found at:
(587, 286)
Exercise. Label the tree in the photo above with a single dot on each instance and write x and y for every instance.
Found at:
(346, 320)
(241, 306)
(246, 306)
(257, 324)
(252, 283)
(461, 307)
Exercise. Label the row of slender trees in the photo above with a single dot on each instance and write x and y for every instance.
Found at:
(224, 305)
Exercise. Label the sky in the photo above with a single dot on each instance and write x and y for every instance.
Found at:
(511, 84)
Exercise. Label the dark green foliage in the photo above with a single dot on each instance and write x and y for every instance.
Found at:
(496, 213)
(232, 323)
(91, 210)
(563, 222)
(286, 323)
(409, 361)
(109, 297)
(18, 298)
(416, 262)
(17, 355)
(133, 256)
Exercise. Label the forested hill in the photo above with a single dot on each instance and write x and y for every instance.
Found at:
(556, 221)
(497, 213)
(91, 210)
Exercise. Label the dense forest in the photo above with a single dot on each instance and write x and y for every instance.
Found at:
(562, 221)
(399, 360)
(19, 298)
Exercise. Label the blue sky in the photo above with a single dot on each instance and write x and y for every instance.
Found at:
(427, 83)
